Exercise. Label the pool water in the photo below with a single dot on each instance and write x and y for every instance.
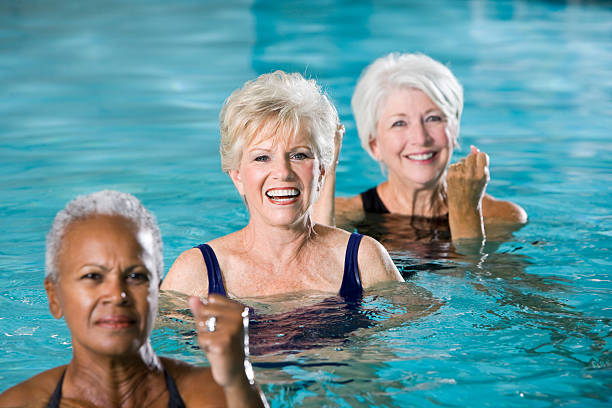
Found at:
(126, 95)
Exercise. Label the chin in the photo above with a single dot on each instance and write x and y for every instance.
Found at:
(121, 347)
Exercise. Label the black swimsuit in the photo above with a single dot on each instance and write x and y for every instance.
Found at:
(351, 283)
(174, 401)
(372, 202)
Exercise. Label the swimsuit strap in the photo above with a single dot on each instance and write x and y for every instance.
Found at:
(174, 400)
(215, 280)
(351, 283)
(372, 203)
(54, 401)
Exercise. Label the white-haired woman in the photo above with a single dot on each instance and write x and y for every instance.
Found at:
(103, 268)
(407, 109)
(277, 142)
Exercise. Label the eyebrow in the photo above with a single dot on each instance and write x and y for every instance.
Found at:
(105, 269)
(94, 265)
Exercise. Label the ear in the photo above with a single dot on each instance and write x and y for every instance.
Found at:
(321, 178)
(235, 176)
(374, 147)
(55, 306)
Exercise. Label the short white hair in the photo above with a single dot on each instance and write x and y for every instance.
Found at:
(404, 71)
(106, 202)
(280, 101)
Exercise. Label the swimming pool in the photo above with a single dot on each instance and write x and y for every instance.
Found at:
(126, 94)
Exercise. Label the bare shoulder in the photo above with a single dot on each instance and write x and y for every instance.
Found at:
(375, 263)
(34, 392)
(187, 274)
(227, 243)
(348, 211)
(196, 384)
(496, 211)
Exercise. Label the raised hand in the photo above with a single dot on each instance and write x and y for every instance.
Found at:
(323, 211)
(466, 182)
(219, 324)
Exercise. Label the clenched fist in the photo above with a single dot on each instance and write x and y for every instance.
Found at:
(219, 323)
(466, 182)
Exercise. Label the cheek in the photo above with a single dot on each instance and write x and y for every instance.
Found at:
(252, 177)
(147, 306)
(76, 305)
(443, 137)
(309, 172)
(391, 145)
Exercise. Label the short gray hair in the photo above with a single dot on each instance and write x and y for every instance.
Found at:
(106, 202)
(401, 71)
(283, 101)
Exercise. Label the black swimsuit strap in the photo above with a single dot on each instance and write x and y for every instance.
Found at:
(215, 280)
(372, 203)
(56, 397)
(174, 398)
(351, 283)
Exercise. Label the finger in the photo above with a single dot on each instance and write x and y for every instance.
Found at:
(473, 149)
(471, 159)
(482, 160)
(195, 304)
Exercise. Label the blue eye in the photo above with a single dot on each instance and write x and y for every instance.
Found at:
(434, 118)
(262, 158)
(299, 156)
(398, 123)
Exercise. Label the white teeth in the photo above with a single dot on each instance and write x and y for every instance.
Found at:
(283, 195)
(424, 156)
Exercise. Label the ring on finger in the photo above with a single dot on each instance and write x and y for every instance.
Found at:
(210, 323)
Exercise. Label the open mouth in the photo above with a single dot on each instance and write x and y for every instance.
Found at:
(283, 195)
(422, 157)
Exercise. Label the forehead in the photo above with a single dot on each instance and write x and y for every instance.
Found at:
(405, 100)
(97, 238)
(273, 133)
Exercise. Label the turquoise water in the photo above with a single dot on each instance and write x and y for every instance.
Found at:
(126, 95)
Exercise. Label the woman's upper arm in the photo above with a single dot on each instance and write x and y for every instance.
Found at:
(502, 212)
(188, 274)
(375, 263)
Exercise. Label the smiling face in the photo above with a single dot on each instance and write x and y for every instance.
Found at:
(411, 138)
(105, 289)
(278, 177)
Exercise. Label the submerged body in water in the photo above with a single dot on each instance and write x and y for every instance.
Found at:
(297, 322)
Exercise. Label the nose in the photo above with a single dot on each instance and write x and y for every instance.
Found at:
(282, 168)
(420, 134)
(116, 291)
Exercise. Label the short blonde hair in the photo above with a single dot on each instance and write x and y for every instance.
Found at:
(281, 101)
(399, 71)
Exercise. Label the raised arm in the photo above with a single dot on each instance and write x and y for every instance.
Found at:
(323, 210)
(466, 182)
(474, 215)
(344, 212)
(220, 324)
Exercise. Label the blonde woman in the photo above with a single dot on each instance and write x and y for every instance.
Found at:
(277, 143)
